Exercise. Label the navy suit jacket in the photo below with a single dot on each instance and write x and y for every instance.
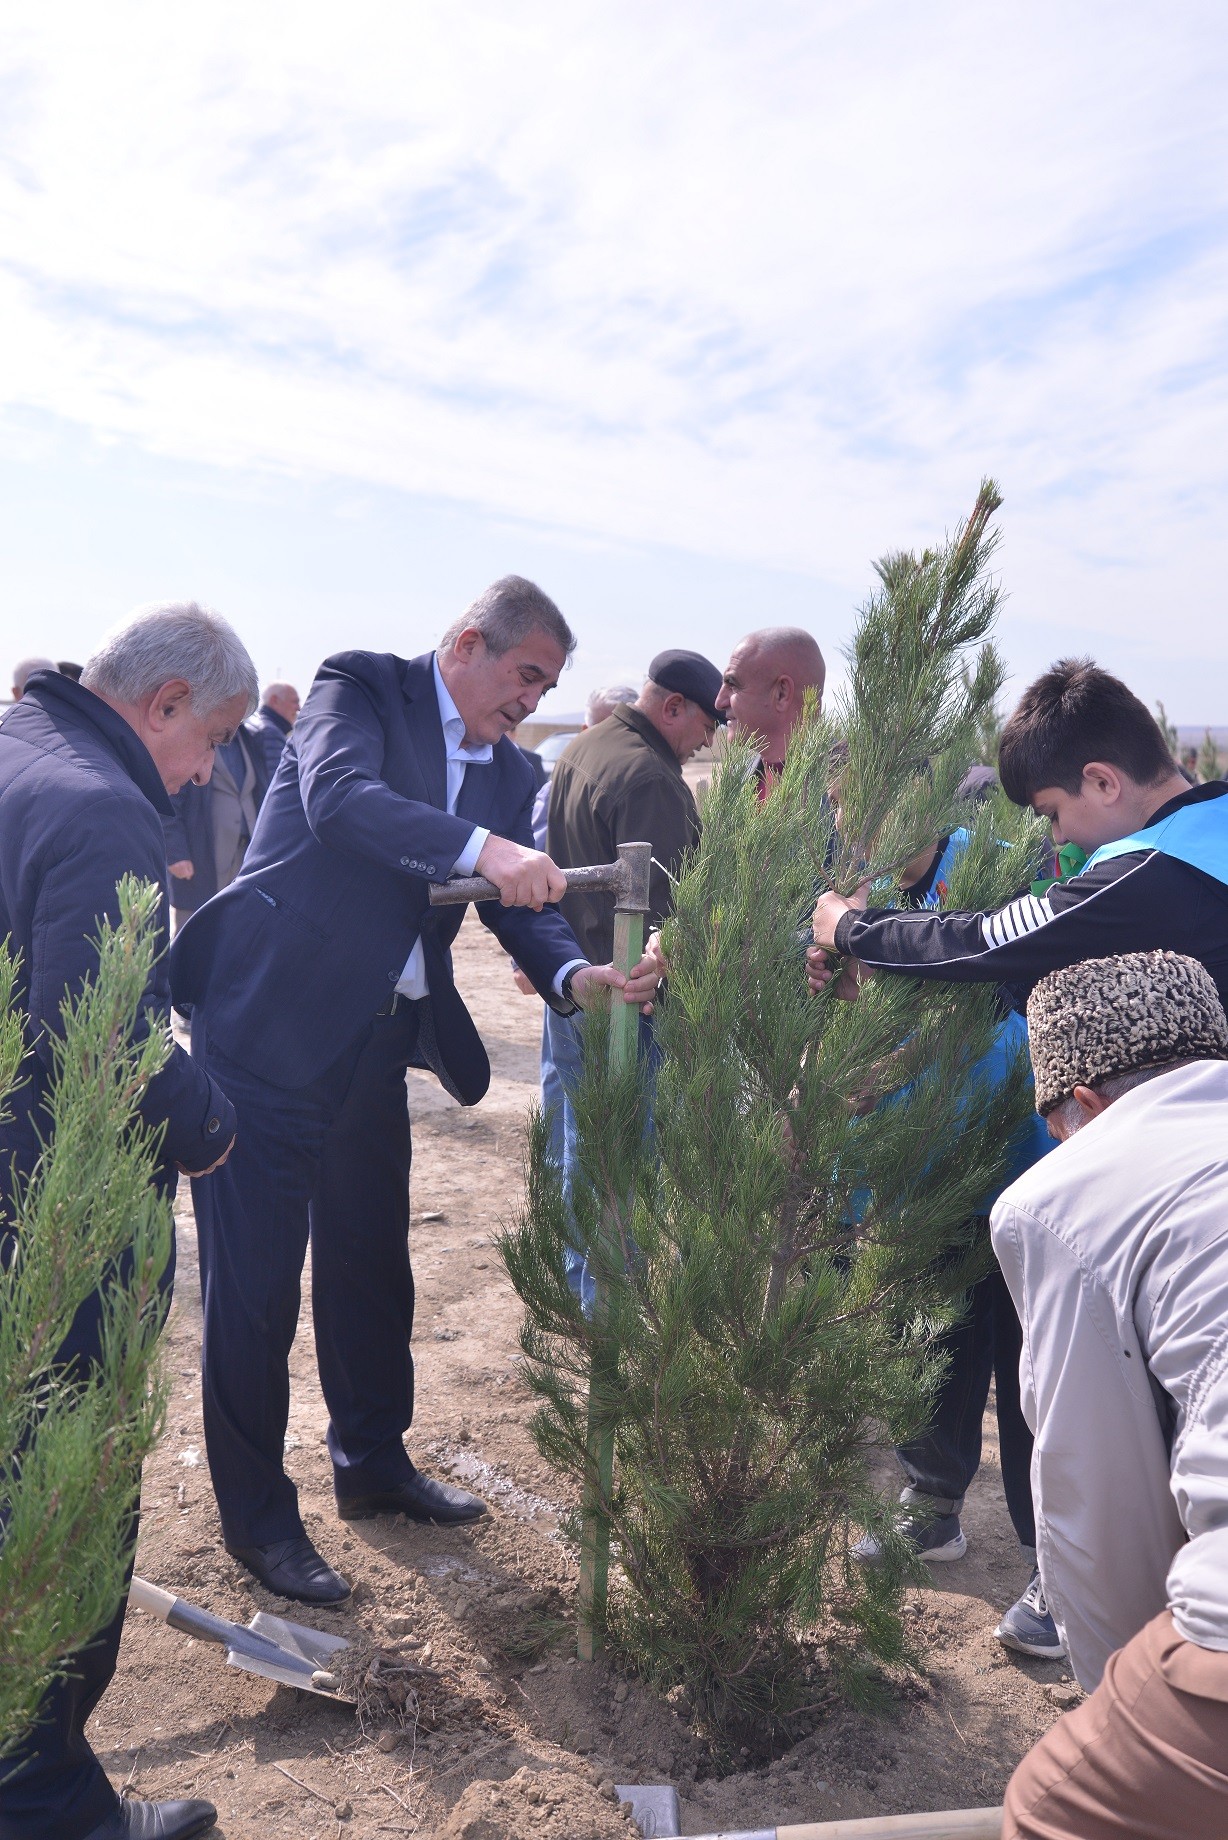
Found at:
(81, 805)
(291, 962)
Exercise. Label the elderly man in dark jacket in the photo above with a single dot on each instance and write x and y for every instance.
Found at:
(621, 782)
(86, 771)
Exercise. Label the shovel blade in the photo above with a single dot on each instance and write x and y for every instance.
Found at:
(305, 1655)
(314, 1645)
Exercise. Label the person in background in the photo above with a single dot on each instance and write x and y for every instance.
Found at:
(599, 704)
(86, 774)
(24, 670)
(211, 824)
(276, 716)
(941, 1461)
(537, 765)
(763, 692)
(1115, 1249)
(316, 979)
(622, 782)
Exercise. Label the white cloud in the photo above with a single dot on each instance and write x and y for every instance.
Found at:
(773, 286)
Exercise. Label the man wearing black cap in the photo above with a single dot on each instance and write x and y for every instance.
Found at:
(621, 782)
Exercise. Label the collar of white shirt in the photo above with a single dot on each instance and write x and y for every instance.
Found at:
(454, 728)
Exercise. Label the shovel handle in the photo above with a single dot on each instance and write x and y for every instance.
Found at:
(951, 1824)
(151, 1597)
(187, 1618)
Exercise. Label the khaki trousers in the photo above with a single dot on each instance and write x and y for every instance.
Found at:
(1145, 1757)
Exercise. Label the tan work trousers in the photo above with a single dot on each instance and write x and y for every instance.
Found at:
(1145, 1757)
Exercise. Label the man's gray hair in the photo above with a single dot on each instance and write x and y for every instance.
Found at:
(175, 639)
(601, 703)
(1070, 1114)
(507, 613)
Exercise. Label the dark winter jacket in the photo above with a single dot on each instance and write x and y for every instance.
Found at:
(81, 805)
(1140, 899)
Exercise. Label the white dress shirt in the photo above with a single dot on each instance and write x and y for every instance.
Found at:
(1115, 1248)
(412, 981)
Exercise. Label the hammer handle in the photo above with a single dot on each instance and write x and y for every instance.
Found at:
(597, 878)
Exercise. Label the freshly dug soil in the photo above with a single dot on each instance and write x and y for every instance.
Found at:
(486, 1612)
(535, 1805)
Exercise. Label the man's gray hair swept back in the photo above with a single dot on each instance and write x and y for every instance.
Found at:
(506, 614)
(601, 703)
(174, 639)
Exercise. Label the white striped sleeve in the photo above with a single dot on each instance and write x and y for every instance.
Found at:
(1026, 915)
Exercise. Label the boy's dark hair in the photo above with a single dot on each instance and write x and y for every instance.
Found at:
(1076, 713)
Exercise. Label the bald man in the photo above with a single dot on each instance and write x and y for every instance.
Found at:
(764, 691)
(276, 716)
(24, 671)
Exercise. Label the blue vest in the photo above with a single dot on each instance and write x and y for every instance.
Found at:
(1011, 1040)
(1195, 834)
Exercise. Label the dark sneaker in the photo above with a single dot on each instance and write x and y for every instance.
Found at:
(934, 1537)
(1028, 1628)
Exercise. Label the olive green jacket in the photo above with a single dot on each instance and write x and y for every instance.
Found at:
(620, 782)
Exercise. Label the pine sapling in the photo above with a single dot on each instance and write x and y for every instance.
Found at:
(785, 1245)
(87, 1223)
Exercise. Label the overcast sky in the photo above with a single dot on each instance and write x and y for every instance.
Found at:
(328, 314)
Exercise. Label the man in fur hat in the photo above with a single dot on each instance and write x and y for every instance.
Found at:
(1115, 1249)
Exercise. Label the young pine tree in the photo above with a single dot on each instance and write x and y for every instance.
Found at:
(88, 1220)
(779, 1253)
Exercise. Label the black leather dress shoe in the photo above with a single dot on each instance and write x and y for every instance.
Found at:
(156, 1821)
(419, 1499)
(293, 1568)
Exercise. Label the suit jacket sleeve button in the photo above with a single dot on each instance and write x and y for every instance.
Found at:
(214, 1126)
(405, 862)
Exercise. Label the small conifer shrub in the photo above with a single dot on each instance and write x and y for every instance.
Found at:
(780, 1252)
(88, 1220)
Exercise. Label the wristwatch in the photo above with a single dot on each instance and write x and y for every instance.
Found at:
(565, 987)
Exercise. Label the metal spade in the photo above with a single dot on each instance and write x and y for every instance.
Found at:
(269, 1645)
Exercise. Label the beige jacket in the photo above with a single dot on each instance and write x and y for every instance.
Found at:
(1115, 1249)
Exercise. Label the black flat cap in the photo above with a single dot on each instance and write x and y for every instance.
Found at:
(691, 675)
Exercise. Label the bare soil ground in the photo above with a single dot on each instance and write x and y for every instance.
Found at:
(503, 1733)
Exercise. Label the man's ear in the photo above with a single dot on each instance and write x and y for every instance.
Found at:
(466, 645)
(168, 701)
(674, 705)
(1091, 1101)
(1103, 783)
(782, 691)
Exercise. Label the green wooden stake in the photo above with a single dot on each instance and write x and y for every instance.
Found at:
(629, 912)
(628, 880)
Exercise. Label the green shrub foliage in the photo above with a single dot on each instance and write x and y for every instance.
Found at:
(87, 1220)
(778, 1256)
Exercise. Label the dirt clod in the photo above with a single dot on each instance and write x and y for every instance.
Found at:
(532, 1805)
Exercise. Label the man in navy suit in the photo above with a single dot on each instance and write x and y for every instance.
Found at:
(314, 980)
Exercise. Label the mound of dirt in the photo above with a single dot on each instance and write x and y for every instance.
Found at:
(539, 1805)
